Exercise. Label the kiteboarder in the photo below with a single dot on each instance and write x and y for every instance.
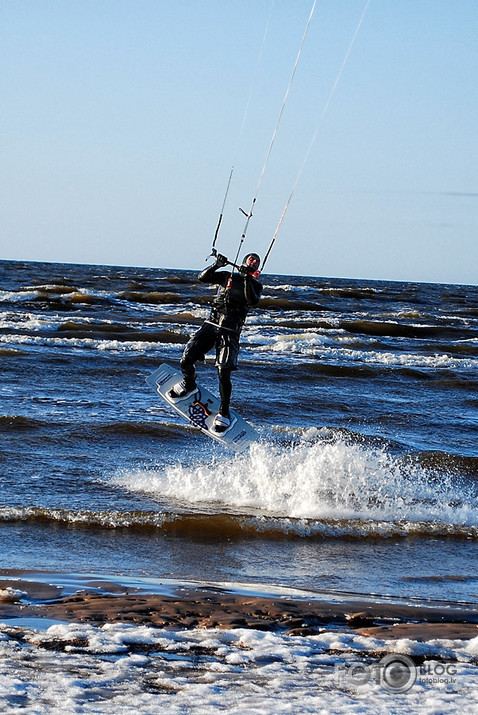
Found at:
(239, 291)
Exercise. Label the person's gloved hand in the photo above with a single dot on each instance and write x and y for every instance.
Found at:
(221, 260)
(244, 270)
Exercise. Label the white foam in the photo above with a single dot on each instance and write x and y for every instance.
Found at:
(94, 669)
(317, 479)
(28, 321)
(328, 348)
(17, 296)
(331, 346)
(286, 287)
(88, 343)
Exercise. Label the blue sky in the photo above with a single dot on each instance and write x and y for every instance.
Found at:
(121, 120)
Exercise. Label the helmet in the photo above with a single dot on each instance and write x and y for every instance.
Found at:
(254, 267)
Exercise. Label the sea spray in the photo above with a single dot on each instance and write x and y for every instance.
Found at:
(315, 479)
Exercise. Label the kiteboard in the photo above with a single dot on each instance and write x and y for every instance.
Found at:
(200, 407)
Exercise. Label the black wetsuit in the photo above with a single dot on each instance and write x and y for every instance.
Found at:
(238, 293)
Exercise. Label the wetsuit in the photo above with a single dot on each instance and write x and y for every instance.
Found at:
(238, 293)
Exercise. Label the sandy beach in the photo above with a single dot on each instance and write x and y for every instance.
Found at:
(103, 601)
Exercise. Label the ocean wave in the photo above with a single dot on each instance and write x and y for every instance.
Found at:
(405, 330)
(443, 462)
(309, 371)
(181, 280)
(86, 327)
(21, 423)
(52, 288)
(188, 317)
(119, 331)
(92, 430)
(11, 352)
(326, 348)
(150, 429)
(290, 304)
(323, 484)
(351, 292)
(411, 360)
(62, 295)
(286, 288)
(104, 344)
(304, 323)
(17, 296)
(461, 347)
(150, 297)
(230, 526)
(26, 321)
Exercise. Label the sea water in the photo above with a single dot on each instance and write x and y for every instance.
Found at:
(364, 482)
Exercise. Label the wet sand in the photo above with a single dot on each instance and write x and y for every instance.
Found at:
(207, 607)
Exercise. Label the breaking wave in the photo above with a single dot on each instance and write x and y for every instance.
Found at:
(316, 487)
(317, 345)
(322, 484)
(224, 525)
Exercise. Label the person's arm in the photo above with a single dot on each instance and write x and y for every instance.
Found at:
(213, 274)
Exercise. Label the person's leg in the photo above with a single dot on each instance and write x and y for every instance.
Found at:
(187, 368)
(197, 347)
(225, 390)
(227, 350)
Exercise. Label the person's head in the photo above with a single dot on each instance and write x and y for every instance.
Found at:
(252, 262)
